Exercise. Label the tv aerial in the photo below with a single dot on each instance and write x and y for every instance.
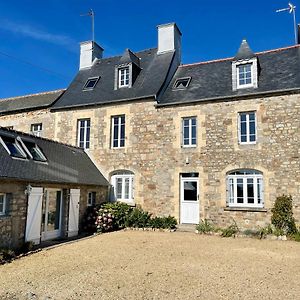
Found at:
(292, 10)
(92, 15)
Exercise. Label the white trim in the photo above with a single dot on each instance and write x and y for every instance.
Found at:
(122, 82)
(190, 127)
(91, 201)
(124, 176)
(38, 131)
(119, 126)
(247, 114)
(85, 129)
(18, 147)
(246, 85)
(3, 212)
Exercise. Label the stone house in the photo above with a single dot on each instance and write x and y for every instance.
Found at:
(214, 140)
(45, 187)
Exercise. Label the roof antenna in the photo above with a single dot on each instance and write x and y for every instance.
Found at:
(292, 10)
(92, 15)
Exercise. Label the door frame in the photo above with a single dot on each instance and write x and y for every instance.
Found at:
(49, 235)
(182, 181)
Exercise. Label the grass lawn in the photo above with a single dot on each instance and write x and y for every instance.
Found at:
(157, 265)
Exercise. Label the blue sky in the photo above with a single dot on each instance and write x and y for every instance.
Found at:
(46, 34)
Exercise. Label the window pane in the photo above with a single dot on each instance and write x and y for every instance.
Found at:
(119, 188)
(186, 132)
(243, 117)
(186, 122)
(190, 191)
(240, 190)
(250, 190)
(126, 188)
(123, 131)
(243, 128)
(231, 191)
(259, 194)
(194, 132)
(1, 204)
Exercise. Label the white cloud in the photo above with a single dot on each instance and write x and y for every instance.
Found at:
(37, 34)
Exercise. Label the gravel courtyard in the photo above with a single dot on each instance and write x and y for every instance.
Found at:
(157, 265)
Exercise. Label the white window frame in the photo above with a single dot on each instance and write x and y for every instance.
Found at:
(247, 127)
(85, 88)
(3, 211)
(38, 131)
(247, 85)
(122, 82)
(232, 189)
(123, 176)
(91, 198)
(190, 126)
(17, 146)
(85, 127)
(119, 125)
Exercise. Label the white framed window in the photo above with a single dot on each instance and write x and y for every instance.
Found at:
(123, 77)
(245, 188)
(123, 183)
(12, 146)
(118, 131)
(2, 204)
(37, 129)
(189, 132)
(83, 133)
(90, 83)
(91, 201)
(247, 127)
(33, 150)
(182, 83)
(245, 75)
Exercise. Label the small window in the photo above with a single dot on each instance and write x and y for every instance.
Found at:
(37, 129)
(247, 128)
(91, 83)
(244, 75)
(12, 146)
(182, 83)
(245, 188)
(189, 132)
(123, 183)
(91, 199)
(33, 150)
(118, 131)
(123, 74)
(2, 204)
(83, 138)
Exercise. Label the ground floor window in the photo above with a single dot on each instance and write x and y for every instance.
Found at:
(245, 188)
(91, 199)
(123, 184)
(2, 204)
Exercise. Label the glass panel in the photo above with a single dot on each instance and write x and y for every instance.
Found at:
(194, 132)
(126, 188)
(243, 138)
(53, 210)
(193, 121)
(119, 188)
(190, 191)
(186, 122)
(186, 132)
(231, 191)
(250, 190)
(240, 190)
(243, 128)
(259, 195)
(243, 117)
(122, 131)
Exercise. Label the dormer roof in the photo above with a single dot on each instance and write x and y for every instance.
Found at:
(244, 51)
(129, 57)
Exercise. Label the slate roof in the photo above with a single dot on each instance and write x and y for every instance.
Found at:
(212, 80)
(244, 52)
(129, 57)
(65, 163)
(29, 102)
(154, 70)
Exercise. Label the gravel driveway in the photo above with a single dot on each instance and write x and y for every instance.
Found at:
(157, 265)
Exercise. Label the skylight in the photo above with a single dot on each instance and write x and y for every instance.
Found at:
(182, 83)
(91, 83)
(34, 151)
(12, 146)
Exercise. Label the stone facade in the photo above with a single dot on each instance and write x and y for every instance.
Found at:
(154, 154)
(13, 225)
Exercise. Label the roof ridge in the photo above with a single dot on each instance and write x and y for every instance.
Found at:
(231, 58)
(39, 138)
(32, 95)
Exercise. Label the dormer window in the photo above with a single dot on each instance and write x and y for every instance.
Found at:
(244, 75)
(181, 83)
(123, 77)
(90, 83)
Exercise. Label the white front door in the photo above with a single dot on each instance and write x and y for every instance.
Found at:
(51, 214)
(73, 224)
(189, 200)
(34, 215)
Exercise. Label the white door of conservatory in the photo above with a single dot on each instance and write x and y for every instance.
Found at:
(189, 199)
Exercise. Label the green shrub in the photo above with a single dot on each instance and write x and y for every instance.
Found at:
(296, 236)
(138, 218)
(205, 226)
(163, 222)
(282, 215)
(266, 230)
(230, 231)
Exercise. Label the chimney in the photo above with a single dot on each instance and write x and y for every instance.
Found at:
(169, 39)
(89, 51)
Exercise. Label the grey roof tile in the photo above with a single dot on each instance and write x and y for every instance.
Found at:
(29, 102)
(278, 70)
(65, 164)
(244, 51)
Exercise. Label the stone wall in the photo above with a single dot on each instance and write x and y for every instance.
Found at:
(153, 152)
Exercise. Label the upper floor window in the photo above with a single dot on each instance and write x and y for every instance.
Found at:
(118, 131)
(91, 199)
(245, 188)
(189, 132)
(244, 75)
(123, 183)
(83, 137)
(123, 75)
(90, 83)
(2, 204)
(12, 146)
(37, 129)
(247, 127)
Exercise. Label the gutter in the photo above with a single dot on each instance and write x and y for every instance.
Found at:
(231, 97)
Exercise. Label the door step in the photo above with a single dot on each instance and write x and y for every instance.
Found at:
(186, 228)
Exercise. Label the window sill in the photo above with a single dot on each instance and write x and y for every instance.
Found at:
(250, 209)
